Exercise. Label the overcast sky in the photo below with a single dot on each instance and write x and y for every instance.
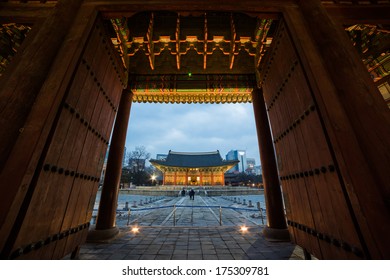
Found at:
(193, 128)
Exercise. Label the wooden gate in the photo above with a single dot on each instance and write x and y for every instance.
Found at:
(54, 218)
(319, 214)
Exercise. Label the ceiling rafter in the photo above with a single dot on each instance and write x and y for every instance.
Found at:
(205, 43)
(261, 39)
(194, 41)
(232, 42)
(150, 43)
(177, 37)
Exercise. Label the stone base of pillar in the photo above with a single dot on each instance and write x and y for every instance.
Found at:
(276, 235)
(101, 234)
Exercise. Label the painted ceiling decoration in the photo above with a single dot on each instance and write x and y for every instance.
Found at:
(11, 37)
(193, 43)
(373, 44)
(193, 58)
(193, 89)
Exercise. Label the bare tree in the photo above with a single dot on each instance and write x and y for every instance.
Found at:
(137, 159)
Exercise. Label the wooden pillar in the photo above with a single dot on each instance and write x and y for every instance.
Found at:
(354, 115)
(201, 178)
(105, 225)
(276, 224)
(187, 177)
(175, 179)
(212, 178)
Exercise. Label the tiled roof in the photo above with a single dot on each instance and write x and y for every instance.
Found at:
(206, 159)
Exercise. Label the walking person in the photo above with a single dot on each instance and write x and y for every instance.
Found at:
(192, 194)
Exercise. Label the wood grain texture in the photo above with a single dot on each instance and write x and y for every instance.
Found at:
(312, 190)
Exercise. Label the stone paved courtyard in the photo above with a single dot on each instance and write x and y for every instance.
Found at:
(196, 235)
(182, 243)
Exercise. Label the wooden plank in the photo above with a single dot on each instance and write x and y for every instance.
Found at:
(80, 101)
(120, 7)
(111, 82)
(64, 186)
(292, 155)
(318, 154)
(345, 14)
(103, 150)
(271, 86)
(297, 98)
(80, 183)
(359, 14)
(26, 13)
(81, 192)
(43, 204)
(50, 196)
(320, 215)
(330, 195)
(307, 149)
(27, 148)
(354, 167)
(286, 107)
(89, 92)
(90, 52)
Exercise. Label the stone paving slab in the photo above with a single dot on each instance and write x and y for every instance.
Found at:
(250, 245)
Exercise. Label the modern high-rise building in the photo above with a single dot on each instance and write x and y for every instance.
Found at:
(237, 155)
(250, 162)
(258, 170)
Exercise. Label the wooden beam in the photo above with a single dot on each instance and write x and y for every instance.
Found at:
(267, 9)
(383, 80)
(120, 8)
(354, 14)
(177, 38)
(24, 13)
(232, 41)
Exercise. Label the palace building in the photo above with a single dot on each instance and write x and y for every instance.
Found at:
(194, 169)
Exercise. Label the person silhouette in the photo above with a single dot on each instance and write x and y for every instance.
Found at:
(192, 194)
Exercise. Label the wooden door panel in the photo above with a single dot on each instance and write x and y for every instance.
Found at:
(60, 208)
(318, 215)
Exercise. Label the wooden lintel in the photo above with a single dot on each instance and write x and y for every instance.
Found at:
(120, 7)
(107, 13)
(267, 9)
(25, 13)
(354, 14)
(383, 80)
